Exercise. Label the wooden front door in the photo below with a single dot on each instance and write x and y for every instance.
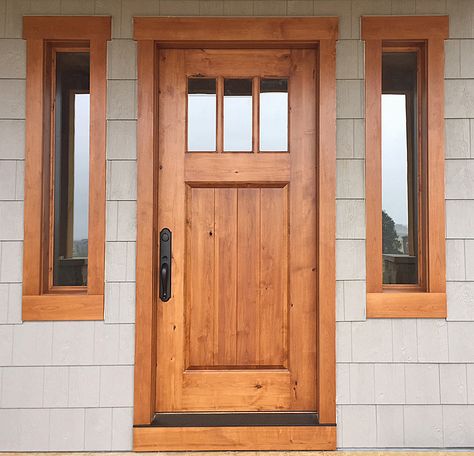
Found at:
(237, 188)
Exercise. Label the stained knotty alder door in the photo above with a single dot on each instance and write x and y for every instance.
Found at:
(239, 332)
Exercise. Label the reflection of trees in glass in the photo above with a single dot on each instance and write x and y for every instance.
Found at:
(390, 241)
(79, 249)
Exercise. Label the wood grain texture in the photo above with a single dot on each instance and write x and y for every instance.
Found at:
(49, 307)
(373, 164)
(200, 277)
(395, 301)
(235, 438)
(237, 239)
(172, 214)
(70, 34)
(145, 311)
(226, 245)
(406, 305)
(273, 305)
(326, 246)
(248, 276)
(303, 230)
(98, 134)
(236, 390)
(404, 27)
(269, 168)
(67, 28)
(34, 165)
(238, 62)
(435, 191)
(251, 29)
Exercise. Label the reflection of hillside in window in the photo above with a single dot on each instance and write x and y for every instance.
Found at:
(71, 169)
(400, 168)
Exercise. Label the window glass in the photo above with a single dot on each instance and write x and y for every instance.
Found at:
(201, 115)
(237, 115)
(274, 115)
(71, 169)
(400, 215)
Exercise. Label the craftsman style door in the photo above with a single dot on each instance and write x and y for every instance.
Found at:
(237, 318)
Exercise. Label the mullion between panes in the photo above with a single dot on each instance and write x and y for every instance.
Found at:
(256, 115)
(220, 115)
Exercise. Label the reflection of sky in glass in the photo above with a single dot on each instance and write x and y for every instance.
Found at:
(394, 158)
(274, 121)
(201, 122)
(238, 123)
(81, 166)
(201, 128)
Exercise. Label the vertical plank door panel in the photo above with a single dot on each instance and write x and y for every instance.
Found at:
(200, 281)
(248, 275)
(273, 328)
(226, 275)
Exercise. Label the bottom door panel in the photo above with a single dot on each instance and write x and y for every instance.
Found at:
(250, 390)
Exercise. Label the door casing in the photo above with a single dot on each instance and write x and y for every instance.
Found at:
(151, 34)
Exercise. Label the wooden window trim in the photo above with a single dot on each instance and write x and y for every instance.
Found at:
(152, 33)
(401, 301)
(62, 303)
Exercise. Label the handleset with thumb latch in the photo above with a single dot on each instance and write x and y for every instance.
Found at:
(165, 264)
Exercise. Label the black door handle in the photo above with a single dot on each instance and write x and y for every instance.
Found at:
(164, 281)
(165, 264)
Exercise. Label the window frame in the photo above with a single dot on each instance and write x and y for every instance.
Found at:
(45, 34)
(382, 33)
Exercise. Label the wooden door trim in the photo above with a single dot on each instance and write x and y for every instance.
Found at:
(173, 31)
(241, 438)
(149, 32)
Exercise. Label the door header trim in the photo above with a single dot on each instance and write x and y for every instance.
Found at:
(225, 30)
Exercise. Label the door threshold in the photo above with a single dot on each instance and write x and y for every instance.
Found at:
(234, 438)
(236, 419)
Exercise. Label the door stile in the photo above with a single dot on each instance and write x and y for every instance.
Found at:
(303, 200)
(170, 333)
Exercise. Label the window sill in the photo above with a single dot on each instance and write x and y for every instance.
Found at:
(406, 305)
(63, 307)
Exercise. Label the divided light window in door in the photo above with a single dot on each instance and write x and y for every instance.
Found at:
(237, 115)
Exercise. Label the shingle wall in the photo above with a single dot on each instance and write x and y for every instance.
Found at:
(400, 383)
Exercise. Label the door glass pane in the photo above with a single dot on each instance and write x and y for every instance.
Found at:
(274, 115)
(238, 115)
(71, 169)
(399, 169)
(201, 115)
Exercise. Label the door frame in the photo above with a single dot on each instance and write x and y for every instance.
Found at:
(151, 33)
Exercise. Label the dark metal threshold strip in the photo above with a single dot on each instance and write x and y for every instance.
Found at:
(235, 419)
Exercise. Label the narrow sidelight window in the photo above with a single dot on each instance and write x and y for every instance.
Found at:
(64, 238)
(70, 163)
(401, 163)
(404, 166)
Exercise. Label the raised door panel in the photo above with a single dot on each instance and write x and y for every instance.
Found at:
(237, 277)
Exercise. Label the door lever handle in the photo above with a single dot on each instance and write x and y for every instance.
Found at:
(164, 281)
(165, 264)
